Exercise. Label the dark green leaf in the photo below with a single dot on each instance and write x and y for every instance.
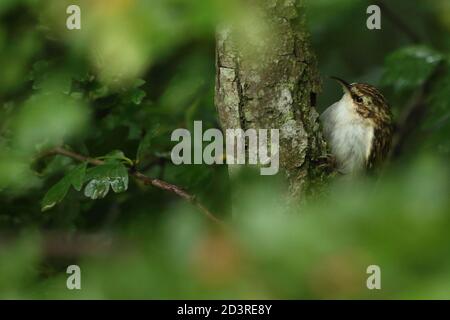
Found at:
(100, 178)
(99, 172)
(97, 188)
(77, 175)
(56, 194)
(119, 179)
(115, 155)
(409, 67)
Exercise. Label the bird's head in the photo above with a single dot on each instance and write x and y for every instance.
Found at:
(366, 99)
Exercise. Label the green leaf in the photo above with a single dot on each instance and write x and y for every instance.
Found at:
(77, 175)
(409, 67)
(99, 172)
(97, 188)
(56, 194)
(115, 155)
(101, 178)
(119, 179)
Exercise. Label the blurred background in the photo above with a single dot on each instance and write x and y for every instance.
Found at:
(136, 71)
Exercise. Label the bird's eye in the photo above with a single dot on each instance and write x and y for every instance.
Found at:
(359, 99)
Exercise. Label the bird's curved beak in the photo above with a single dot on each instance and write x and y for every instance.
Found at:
(345, 85)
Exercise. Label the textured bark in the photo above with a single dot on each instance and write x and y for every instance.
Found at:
(271, 83)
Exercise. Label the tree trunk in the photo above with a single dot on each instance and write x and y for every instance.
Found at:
(267, 78)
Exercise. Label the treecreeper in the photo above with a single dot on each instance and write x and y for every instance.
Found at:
(358, 128)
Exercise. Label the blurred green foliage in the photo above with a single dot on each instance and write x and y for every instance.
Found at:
(137, 70)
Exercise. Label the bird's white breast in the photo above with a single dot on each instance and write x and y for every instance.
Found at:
(348, 134)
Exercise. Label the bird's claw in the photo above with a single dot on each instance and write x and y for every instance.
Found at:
(327, 161)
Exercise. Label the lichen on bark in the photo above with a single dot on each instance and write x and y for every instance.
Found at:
(267, 78)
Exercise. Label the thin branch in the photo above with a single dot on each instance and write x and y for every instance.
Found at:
(397, 21)
(176, 190)
(163, 185)
(73, 155)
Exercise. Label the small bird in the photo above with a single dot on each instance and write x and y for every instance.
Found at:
(358, 128)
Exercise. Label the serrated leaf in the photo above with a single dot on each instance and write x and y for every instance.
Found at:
(409, 67)
(77, 175)
(97, 188)
(100, 178)
(119, 179)
(55, 194)
(99, 172)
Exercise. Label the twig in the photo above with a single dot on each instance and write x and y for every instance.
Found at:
(73, 155)
(394, 18)
(140, 176)
(176, 190)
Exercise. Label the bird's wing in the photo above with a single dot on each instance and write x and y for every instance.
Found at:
(380, 147)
